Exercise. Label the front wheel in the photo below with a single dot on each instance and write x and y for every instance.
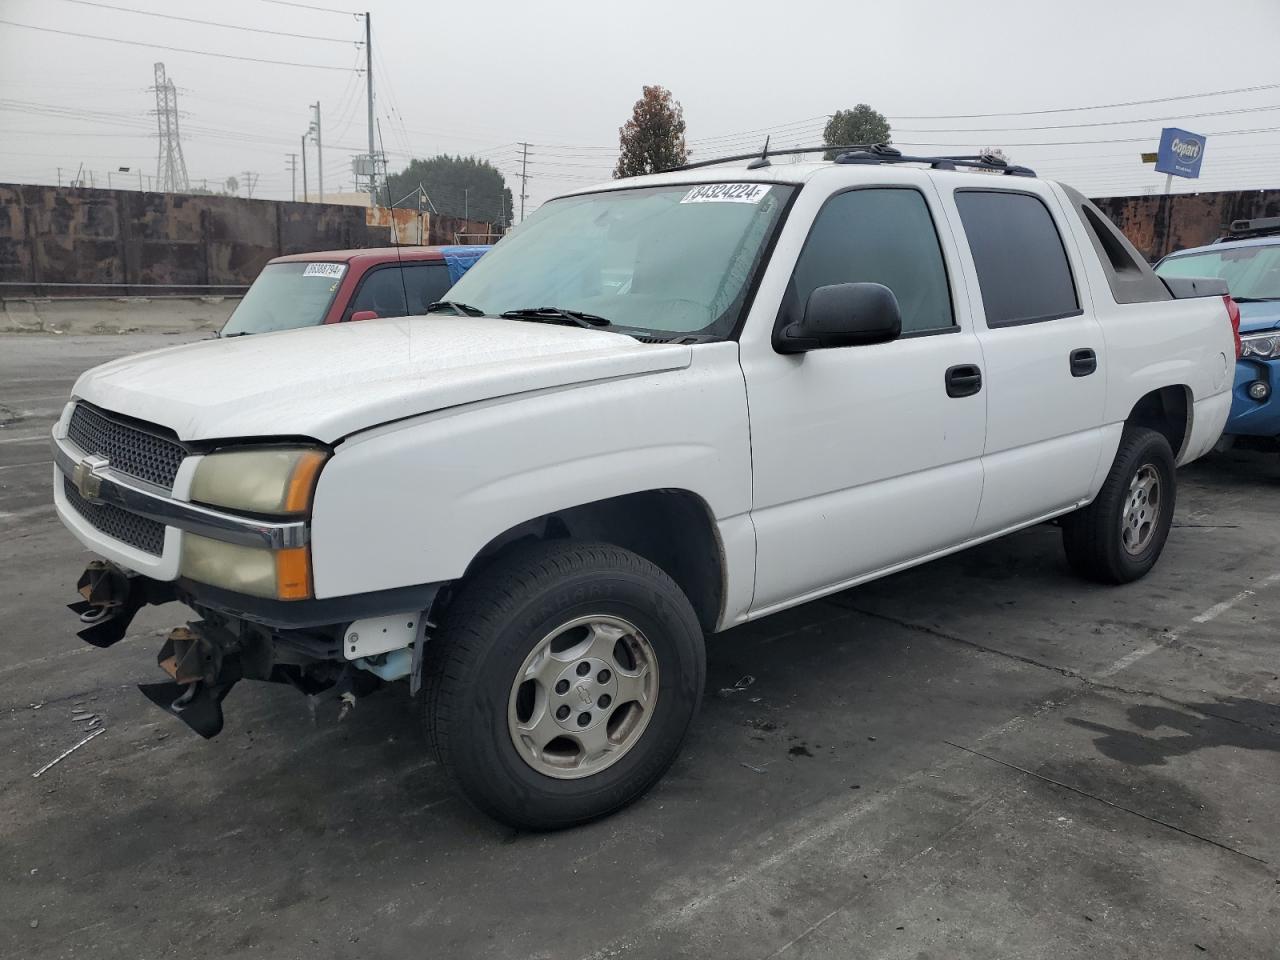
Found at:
(562, 682)
(1119, 537)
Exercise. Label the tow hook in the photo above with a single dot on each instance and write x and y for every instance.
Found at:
(112, 598)
(204, 662)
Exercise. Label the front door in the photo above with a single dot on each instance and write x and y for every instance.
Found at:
(862, 461)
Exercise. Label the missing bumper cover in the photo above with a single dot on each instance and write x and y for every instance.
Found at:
(112, 598)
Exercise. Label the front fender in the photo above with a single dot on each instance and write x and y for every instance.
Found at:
(415, 502)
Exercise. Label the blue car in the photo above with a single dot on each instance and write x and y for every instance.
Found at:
(1248, 258)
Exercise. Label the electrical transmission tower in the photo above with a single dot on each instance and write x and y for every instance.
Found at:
(171, 169)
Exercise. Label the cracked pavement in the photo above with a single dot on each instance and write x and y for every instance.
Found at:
(982, 757)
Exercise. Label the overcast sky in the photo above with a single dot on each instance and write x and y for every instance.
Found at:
(478, 77)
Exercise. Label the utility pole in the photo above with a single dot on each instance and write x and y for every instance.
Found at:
(466, 203)
(315, 131)
(304, 168)
(524, 176)
(293, 175)
(368, 83)
(139, 179)
(59, 177)
(250, 181)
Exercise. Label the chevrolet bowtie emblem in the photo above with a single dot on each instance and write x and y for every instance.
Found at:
(85, 476)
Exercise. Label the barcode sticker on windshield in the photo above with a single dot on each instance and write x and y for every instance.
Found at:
(331, 270)
(727, 193)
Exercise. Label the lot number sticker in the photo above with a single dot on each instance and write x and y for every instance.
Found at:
(727, 193)
(331, 270)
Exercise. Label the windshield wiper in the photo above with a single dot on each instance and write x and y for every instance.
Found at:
(461, 309)
(557, 315)
(1255, 299)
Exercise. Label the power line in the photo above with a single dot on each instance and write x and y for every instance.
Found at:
(1072, 143)
(1095, 106)
(211, 23)
(1095, 123)
(308, 6)
(161, 46)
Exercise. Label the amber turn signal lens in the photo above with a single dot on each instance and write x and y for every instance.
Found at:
(297, 498)
(293, 573)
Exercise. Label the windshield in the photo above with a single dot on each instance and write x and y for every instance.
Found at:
(286, 295)
(1252, 273)
(659, 260)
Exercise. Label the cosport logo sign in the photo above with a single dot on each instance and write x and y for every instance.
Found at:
(1181, 153)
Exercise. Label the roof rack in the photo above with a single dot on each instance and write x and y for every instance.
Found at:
(871, 153)
(1258, 227)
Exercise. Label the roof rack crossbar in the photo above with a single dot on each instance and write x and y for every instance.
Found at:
(869, 153)
(972, 162)
(1257, 227)
(787, 152)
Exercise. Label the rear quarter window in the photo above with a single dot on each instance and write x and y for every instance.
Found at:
(1022, 266)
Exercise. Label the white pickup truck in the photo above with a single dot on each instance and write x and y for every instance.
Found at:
(661, 407)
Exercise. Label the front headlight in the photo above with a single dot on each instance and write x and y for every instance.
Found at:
(1260, 346)
(277, 481)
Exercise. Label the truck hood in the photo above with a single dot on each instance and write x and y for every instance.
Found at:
(1255, 317)
(331, 381)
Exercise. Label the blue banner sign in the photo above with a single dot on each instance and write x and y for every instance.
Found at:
(1180, 152)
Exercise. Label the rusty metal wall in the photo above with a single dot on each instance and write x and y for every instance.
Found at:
(84, 236)
(64, 235)
(1158, 225)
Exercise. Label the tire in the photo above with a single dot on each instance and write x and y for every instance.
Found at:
(593, 602)
(1119, 537)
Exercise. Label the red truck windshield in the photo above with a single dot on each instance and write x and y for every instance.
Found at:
(285, 296)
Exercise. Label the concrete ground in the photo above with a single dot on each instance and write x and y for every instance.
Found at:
(980, 758)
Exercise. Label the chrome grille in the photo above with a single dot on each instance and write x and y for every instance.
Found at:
(147, 535)
(129, 449)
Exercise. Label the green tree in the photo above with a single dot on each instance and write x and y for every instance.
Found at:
(653, 139)
(859, 125)
(456, 187)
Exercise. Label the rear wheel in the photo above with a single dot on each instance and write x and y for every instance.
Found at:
(562, 682)
(1119, 537)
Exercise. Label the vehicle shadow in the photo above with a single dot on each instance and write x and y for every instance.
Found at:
(1224, 722)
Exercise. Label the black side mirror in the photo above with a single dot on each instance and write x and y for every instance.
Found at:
(844, 315)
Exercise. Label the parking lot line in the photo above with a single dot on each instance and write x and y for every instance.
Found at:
(1170, 638)
(39, 437)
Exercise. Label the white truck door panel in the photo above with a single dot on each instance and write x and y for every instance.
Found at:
(860, 458)
(1043, 350)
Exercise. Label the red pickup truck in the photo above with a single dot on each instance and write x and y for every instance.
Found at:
(334, 286)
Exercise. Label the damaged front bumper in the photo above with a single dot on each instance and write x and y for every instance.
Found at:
(344, 646)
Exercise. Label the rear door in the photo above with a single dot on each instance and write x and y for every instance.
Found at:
(1043, 352)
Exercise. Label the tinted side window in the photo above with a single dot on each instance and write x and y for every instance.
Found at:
(425, 283)
(381, 291)
(878, 235)
(1022, 265)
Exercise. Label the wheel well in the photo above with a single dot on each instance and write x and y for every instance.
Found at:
(1165, 411)
(671, 528)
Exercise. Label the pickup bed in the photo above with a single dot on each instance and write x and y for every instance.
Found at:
(658, 408)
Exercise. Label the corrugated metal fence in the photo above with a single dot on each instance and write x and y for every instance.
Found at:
(141, 242)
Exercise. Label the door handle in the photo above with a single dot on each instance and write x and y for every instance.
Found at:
(964, 380)
(1083, 362)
